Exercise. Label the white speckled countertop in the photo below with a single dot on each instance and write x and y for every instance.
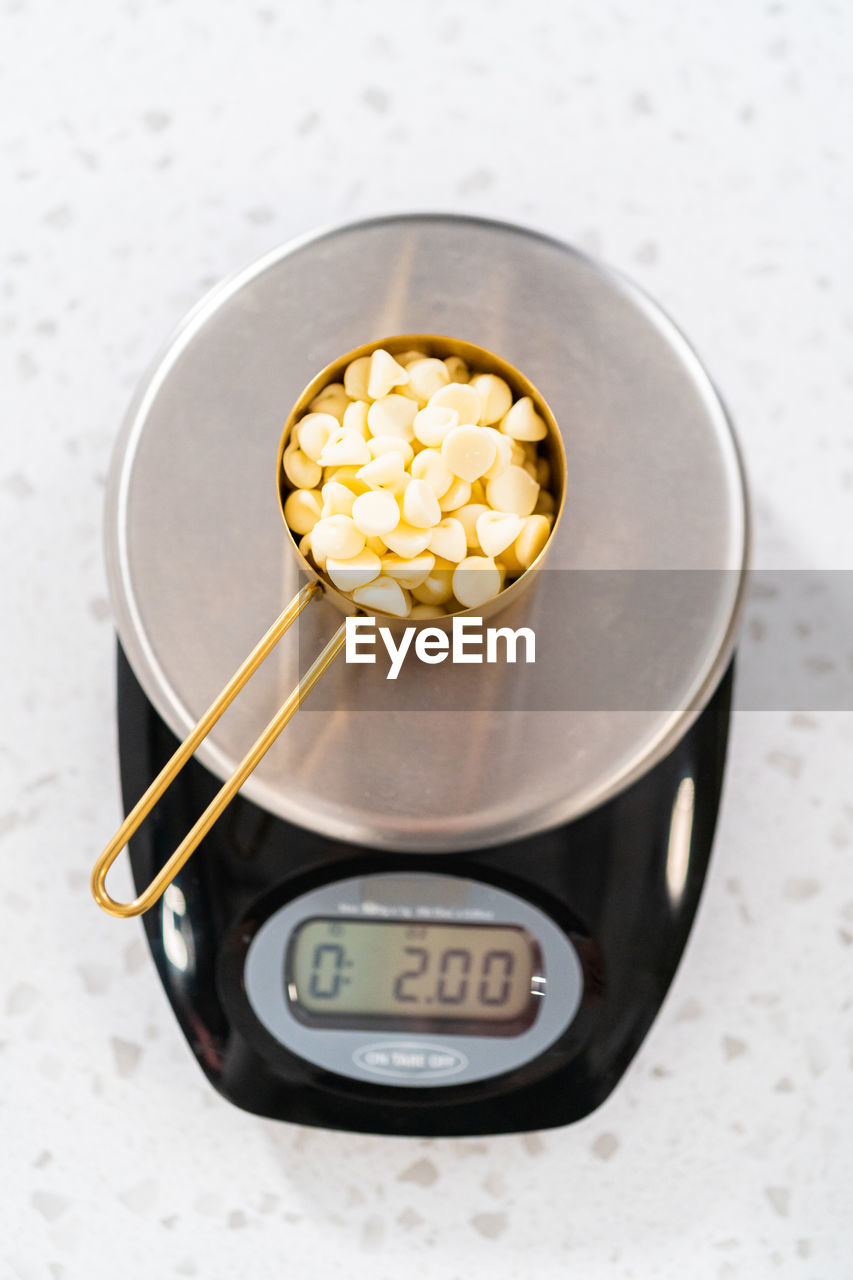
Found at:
(149, 149)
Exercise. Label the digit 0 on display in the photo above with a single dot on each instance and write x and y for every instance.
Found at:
(398, 975)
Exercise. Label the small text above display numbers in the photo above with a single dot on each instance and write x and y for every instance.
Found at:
(410, 972)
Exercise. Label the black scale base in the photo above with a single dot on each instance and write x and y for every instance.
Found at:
(602, 878)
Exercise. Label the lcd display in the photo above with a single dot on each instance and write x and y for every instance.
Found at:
(407, 975)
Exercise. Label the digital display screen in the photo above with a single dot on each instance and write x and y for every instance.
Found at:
(475, 979)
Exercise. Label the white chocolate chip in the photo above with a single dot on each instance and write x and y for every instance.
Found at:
(448, 540)
(302, 509)
(302, 472)
(495, 397)
(432, 424)
(391, 444)
(476, 580)
(430, 466)
(384, 472)
(468, 451)
(458, 396)
(420, 505)
(468, 517)
(356, 378)
(421, 611)
(408, 394)
(456, 496)
(336, 536)
(332, 399)
(436, 588)
(503, 454)
(313, 431)
(376, 513)
(398, 487)
(347, 476)
(545, 505)
(392, 416)
(522, 422)
(531, 540)
(385, 373)
(514, 491)
(426, 377)
(406, 540)
(355, 572)
(510, 561)
(496, 530)
(345, 449)
(355, 418)
(543, 472)
(409, 573)
(405, 358)
(337, 499)
(457, 368)
(383, 595)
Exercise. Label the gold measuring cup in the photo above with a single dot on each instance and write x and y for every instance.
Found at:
(480, 360)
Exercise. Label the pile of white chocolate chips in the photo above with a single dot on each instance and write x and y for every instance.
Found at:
(418, 487)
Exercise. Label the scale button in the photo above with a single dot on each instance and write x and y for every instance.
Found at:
(409, 1060)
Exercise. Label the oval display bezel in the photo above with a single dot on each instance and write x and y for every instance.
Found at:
(407, 1057)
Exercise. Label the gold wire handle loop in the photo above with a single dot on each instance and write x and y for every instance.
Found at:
(226, 794)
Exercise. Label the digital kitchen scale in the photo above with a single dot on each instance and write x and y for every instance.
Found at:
(452, 903)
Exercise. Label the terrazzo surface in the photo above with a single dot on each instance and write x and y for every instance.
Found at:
(149, 150)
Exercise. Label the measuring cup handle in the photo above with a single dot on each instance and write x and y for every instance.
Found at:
(197, 735)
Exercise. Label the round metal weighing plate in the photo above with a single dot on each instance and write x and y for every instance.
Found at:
(634, 615)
